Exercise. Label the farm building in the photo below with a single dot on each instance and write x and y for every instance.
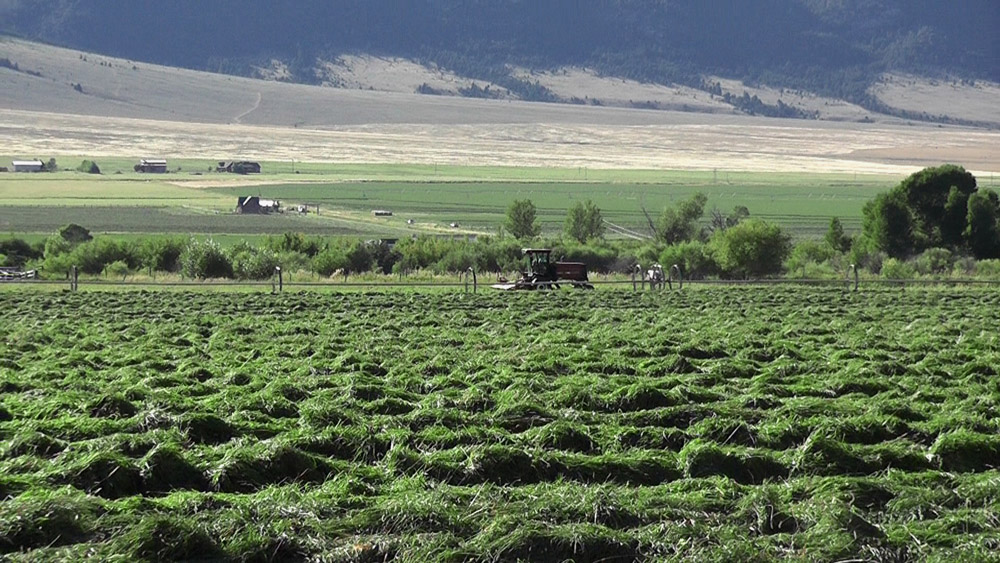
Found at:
(154, 166)
(381, 213)
(255, 205)
(28, 165)
(239, 167)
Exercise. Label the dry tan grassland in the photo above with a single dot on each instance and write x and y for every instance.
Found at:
(137, 109)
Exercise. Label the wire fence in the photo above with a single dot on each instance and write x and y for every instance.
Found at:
(469, 282)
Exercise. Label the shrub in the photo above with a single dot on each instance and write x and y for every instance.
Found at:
(329, 261)
(205, 259)
(808, 253)
(383, 256)
(16, 252)
(359, 258)
(89, 167)
(895, 269)
(456, 260)
(296, 242)
(118, 268)
(598, 258)
(989, 269)
(694, 259)
(982, 231)
(94, 256)
(424, 251)
(291, 261)
(161, 255)
(753, 248)
(497, 255)
(251, 263)
(933, 261)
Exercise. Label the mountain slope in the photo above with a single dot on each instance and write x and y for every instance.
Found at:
(836, 48)
(39, 77)
(59, 102)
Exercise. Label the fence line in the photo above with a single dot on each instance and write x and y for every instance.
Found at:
(470, 284)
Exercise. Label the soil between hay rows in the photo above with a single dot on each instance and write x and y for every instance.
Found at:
(718, 424)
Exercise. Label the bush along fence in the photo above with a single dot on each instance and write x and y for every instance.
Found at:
(655, 278)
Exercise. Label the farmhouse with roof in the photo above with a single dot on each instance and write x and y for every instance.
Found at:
(154, 166)
(255, 205)
(239, 167)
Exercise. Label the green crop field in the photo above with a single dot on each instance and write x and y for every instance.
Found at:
(723, 424)
(434, 197)
(804, 210)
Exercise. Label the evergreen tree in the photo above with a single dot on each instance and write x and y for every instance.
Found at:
(836, 238)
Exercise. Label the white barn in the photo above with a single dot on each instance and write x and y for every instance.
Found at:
(28, 166)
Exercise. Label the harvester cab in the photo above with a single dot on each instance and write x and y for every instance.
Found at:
(540, 265)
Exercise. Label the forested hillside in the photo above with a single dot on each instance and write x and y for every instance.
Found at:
(832, 47)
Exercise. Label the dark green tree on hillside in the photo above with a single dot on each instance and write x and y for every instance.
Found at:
(521, 221)
(584, 222)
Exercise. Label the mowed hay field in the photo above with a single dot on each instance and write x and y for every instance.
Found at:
(725, 424)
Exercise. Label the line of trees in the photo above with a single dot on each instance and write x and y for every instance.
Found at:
(936, 222)
(936, 208)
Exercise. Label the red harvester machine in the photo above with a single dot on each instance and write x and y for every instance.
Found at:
(544, 274)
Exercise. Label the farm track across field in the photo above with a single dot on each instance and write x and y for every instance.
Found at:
(713, 425)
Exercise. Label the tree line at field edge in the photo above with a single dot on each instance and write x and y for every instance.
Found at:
(935, 222)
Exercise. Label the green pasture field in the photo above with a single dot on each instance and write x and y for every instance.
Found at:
(724, 424)
(433, 197)
(225, 240)
(147, 221)
(481, 206)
